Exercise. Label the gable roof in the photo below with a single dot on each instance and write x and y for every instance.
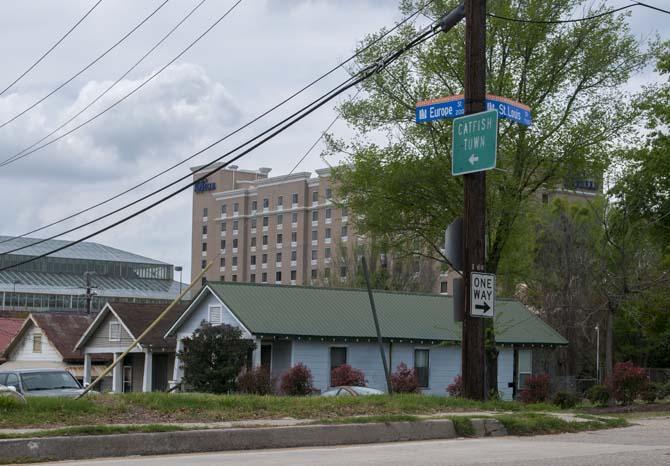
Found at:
(9, 327)
(345, 313)
(136, 317)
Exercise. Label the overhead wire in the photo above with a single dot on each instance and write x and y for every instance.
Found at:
(278, 128)
(58, 42)
(109, 88)
(80, 72)
(249, 123)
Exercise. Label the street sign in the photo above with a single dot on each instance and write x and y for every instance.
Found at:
(454, 106)
(474, 143)
(482, 294)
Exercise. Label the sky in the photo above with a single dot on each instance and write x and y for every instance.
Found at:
(259, 54)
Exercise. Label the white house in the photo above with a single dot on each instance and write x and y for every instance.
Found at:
(324, 328)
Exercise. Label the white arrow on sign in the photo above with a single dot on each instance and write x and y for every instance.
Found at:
(473, 158)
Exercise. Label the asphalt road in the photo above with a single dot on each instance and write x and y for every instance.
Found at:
(647, 443)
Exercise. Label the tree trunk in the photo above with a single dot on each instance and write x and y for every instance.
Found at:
(609, 342)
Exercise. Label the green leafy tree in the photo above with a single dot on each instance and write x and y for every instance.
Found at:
(213, 357)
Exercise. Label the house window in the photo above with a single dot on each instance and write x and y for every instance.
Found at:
(223, 227)
(222, 278)
(223, 209)
(266, 221)
(253, 223)
(329, 213)
(236, 207)
(253, 278)
(253, 260)
(294, 198)
(338, 357)
(315, 235)
(345, 231)
(294, 255)
(314, 254)
(280, 238)
(326, 272)
(293, 274)
(329, 193)
(280, 219)
(114, 331)
(345, 211)
(278, 276)
(265, 240)
(280, 201)
(444, 287)
(266, 356)
(294, 236)
(222, 262)
(234, 278)
(278, 257)
(203, 264)
(314, 274)
(265, 259)
(294, 217)
(343, 271)
(37, 343)
(235, 243)
(329, 233)
(204, 247)
(264, 277)
(421, 366)
(525, 367)
(327, 253)
(315, 216)
(266, 203)
(236, 225)
(234, 261)
(315, 196)
(223, 244)
(204, 229)
(253, 242)
(215, 313)
(204, 212)
(254, 206)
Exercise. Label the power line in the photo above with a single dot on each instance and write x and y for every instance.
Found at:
(118, 80)
(368, 71)
(78, 73)
(283, 102)
(562, 21)
(30, 68)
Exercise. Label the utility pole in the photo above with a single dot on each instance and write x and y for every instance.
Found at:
(473, 363)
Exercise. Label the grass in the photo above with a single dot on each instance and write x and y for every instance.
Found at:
(463, 426)
(95, 430)
(155, 408)
(536, 424)
(384, 418)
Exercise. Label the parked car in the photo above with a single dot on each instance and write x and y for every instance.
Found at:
(352, 391)
(11, 393)
(41, 382)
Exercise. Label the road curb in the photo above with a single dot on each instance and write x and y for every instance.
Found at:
(192, 441)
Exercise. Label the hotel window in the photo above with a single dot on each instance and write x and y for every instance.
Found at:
(264, 259)
(253, 223)
(294, 217)
(280, 201)
(235, 243)
(236, 225)
(254, 205)
(204, 247)
(204, 229)
(338, 357)
(234, 261)
(266, 203)
(115, 331)
(266, 221)
(421, 366)
(236, 207)
(203, 264)
(345, 231)
(280, 238)
(204, 212)
(253, 278)
(315, 216)
(294, 255)
(278, 257)
(278, 276)
(326, 272)
(294, 236)
(315, 235)
(222, 262)
(234, 278)
(444, 287)
(222, 278)
(314, 254)
(280, 219)
(215, 315)
(293, 275)
(223, 227)
(265, 240)
(345, 211)
(329, 233)
(313, 273)
(37, 343)
(329, 212)
(223, 244)
(253, 260)
(327, 253)
(253, 241)
(343, 271)
(264, 277)
(224, 208)
(329, 193)
(294, 198)
(315, 196)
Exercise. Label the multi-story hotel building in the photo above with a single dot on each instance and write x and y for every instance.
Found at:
(280, 230)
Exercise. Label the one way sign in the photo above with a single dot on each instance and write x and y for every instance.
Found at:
(482, 294)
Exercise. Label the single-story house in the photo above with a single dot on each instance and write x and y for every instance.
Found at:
(46, 340)
(326, 327)
(150, 364)
(9, 327)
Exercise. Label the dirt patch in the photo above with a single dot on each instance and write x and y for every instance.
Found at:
(646, 408)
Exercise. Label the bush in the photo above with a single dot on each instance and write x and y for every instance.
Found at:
(256, 381)
(456, 388)
(663, 391)
(213, 358)
(627, 382)
(565, 400)
(599, 395)
(297, 381)
(346, 375)
(405, 380)
(536, 389)
(649, 393)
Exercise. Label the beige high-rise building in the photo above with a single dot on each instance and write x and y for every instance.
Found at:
(284, 229)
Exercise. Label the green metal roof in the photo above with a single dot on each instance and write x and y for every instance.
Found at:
(345, 313)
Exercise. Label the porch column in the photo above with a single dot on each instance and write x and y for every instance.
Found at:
(87, 368)
(256, 356)
(146, 380)
(176, 371)
(117, 376)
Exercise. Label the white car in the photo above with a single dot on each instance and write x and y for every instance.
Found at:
(41, 382)
(352, 391)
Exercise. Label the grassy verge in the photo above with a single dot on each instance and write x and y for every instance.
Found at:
(155, 408)
(95, 430)
(537, 424)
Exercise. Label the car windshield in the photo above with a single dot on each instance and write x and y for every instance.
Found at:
(48, 381)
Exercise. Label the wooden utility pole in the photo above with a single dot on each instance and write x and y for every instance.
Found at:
(474, 216)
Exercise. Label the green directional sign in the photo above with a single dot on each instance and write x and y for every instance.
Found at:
(474, 143)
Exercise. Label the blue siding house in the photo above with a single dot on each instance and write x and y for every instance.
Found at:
(326, 327)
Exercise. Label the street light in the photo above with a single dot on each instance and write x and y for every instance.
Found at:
(597, 353)
(179, 268)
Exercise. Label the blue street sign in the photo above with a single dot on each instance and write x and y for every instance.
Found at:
(454, 106)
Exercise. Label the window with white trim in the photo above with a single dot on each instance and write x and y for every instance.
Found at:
(422, 366)
(215, 315)
(37, 343)
(115, 331)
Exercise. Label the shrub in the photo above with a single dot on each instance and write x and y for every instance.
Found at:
(627, 382)
(258, 381)
(536, 389)
(456, 388)
(297, 381)
(663, 391)
(347, 375)
(565, 400)
(213, 358)
(649, 393)
(599, 395)
(404, 380)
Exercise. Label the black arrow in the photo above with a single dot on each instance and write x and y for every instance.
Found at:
(485, 307)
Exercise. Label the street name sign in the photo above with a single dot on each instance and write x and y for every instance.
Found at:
(474, 143)
(482, 294)
(454, 106)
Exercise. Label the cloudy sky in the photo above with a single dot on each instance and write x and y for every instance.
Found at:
(262, 52)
